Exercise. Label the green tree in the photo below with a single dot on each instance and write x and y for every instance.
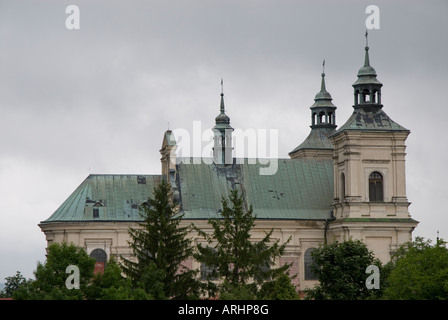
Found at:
(111, 285)
(12, 284)
(280, 289)
(50, 277)
(242, 265)
(160, 246)
(341, 270)
(419, 271)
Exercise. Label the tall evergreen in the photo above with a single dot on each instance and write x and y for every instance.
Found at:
(242, 264)
(161, 245)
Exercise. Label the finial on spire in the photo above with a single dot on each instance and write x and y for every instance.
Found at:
(322, 85)
(222, 96)
(366, 58)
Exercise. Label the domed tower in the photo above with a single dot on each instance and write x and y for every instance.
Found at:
(222, 149)
(323, 124)
(370, 201)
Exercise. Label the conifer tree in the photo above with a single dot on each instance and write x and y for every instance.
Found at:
(231, 256)
(161, 245)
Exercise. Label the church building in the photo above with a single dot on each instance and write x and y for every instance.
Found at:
(338, 183)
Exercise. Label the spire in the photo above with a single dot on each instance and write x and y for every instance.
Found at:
(222, 150)
(366, 58)
(222, 118)
(323, 124)
(367, 87)
(323, 110)
(222, 97)
(322, 85)
(323, 97)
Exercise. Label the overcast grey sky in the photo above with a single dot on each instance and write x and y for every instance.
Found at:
(98, 99)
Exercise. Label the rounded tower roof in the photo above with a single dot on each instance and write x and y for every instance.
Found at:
(323, 97)
(222, 118)
(367, 74)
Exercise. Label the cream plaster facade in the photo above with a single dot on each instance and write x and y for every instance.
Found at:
(113, 238)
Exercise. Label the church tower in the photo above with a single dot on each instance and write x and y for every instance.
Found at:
(222, 136)
(370, 201)
(323, 124)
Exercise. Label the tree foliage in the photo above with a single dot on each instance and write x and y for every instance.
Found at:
(341, 270)
(419, 271)
(50, 277)
(241, 264)
(112, 285)
(12, 284)
(160, 245)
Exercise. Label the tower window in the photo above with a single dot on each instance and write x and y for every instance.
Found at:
(365, 96)
(322, 117)
(356, 97)
(376, 187)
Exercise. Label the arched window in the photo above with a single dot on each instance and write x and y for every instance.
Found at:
(376, 187)
(365, 95)
(101, 259)
(322, 117)
(99, 255)
(330, 118)
(356, 97)
(309, 262)
(374, 96)
(207, 271)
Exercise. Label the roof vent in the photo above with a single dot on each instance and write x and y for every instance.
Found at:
(141, 180)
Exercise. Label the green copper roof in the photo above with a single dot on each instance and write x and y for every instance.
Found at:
(222, 120)
(317, 139)
(370, 120)
(323, 97)
(300, 189)
(367, 74)
(114, 197)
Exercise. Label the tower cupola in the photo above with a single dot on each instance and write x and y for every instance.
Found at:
(367, 87)
(222, 135)
(323, 124)
(323, 111)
